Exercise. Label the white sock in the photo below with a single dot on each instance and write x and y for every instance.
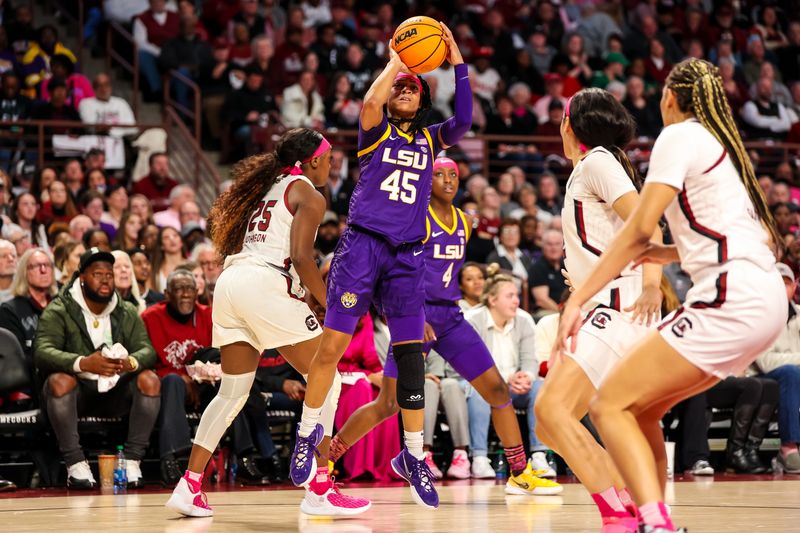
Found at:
(414, 444)
(309, 420)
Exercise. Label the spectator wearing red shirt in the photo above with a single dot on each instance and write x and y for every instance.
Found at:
(157, 185)
(180, 331)
(287, 64)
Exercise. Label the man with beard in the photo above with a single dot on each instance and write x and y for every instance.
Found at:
(328, 234)
(180, 329)
(157, 185)
(92, 350)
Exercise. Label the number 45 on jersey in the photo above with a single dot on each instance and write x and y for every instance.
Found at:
(401, 185)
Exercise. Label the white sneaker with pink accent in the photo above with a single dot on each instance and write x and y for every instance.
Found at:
(332, 502)
(459, 467)
(432, 466)
(189, 502)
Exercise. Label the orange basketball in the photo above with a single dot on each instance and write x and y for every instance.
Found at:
(420, 44)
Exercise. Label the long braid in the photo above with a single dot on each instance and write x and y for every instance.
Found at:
(698, 88)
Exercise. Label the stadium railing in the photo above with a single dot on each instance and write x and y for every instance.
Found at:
(191, 115)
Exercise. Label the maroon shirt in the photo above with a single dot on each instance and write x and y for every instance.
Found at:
(158, 195)
(158, 34)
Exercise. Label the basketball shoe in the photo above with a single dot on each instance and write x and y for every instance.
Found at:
(459, 467)
(323, 498)
(419, 477)
(189, 499)
(303, 465)
(432, 466)
(529, 483)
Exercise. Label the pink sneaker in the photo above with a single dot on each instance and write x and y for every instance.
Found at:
(188, 500)
(432, 466)
(332, 502)
(624, 524)
(460, 467)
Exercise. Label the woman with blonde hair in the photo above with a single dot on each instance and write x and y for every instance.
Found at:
(124, 281)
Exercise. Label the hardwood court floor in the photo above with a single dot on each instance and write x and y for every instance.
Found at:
(704, 506)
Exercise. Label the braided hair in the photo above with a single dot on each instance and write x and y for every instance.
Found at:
(253, 177)
(698, 89)
(420, 119)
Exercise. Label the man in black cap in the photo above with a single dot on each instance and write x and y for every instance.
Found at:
(92, 350)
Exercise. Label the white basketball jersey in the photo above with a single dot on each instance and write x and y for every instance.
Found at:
(590, 224)
(712, 220)
(267, 238)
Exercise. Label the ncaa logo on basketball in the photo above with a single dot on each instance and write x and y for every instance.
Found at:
(405, 35)
(349, 300)
(680, 327)
(311, 323)
(600, 320)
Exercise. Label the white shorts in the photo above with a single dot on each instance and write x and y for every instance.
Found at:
(605, 337)
(729, 318)
(252, 305)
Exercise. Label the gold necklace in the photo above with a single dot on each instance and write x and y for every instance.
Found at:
(96, 323)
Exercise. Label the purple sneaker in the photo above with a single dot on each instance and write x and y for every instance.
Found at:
(304, 458)
(419, 476)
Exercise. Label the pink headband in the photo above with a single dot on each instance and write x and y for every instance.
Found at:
(403, 75)
(445, 162)
(582, 147)
(295, 169)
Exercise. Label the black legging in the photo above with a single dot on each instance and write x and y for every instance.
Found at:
(753, 400)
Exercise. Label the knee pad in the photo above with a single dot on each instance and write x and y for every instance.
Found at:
(410, 375)
(231, 397)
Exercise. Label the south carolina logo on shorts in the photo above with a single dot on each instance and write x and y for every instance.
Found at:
(311, 323)
(680, 327)
(349, 300)
(600, 320)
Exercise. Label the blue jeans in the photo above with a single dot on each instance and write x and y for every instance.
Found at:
(788, 378)
(480, 416)
(148, 66)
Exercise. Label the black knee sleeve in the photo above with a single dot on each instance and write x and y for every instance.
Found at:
(410, 375)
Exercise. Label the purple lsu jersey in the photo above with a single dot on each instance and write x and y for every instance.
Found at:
(444, 255)
(392, 194)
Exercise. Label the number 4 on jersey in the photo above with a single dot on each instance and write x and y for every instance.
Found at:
(398, 185)
(448, 276)
(262, 210)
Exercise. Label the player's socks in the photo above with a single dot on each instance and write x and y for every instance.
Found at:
(627, 502)
(517, 461)
(338, 448)
(319, 485)
(609, 504)
(414, 444)
(655, 514)
(309, 420)
(194, 479)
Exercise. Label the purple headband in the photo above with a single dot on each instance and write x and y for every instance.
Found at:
(582, 147)
(295, 170)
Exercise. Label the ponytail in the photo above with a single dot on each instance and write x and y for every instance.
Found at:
(598, 119)
(253, 177)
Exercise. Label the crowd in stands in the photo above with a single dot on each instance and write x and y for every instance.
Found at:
(83, 244)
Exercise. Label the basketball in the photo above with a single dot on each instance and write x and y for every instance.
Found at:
(420, 44)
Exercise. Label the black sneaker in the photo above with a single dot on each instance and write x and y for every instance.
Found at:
(79, 477)
(248, 472)
(275, 469)
(170, 471)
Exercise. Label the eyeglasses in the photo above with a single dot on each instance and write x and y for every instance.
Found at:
(8, 256)
(205, 264)
(102, 276)
(40, 266)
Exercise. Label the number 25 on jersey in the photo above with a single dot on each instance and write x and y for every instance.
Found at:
(262, 211)
(401, 186)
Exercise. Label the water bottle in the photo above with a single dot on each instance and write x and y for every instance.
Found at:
(500, 472)
(120, 472)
